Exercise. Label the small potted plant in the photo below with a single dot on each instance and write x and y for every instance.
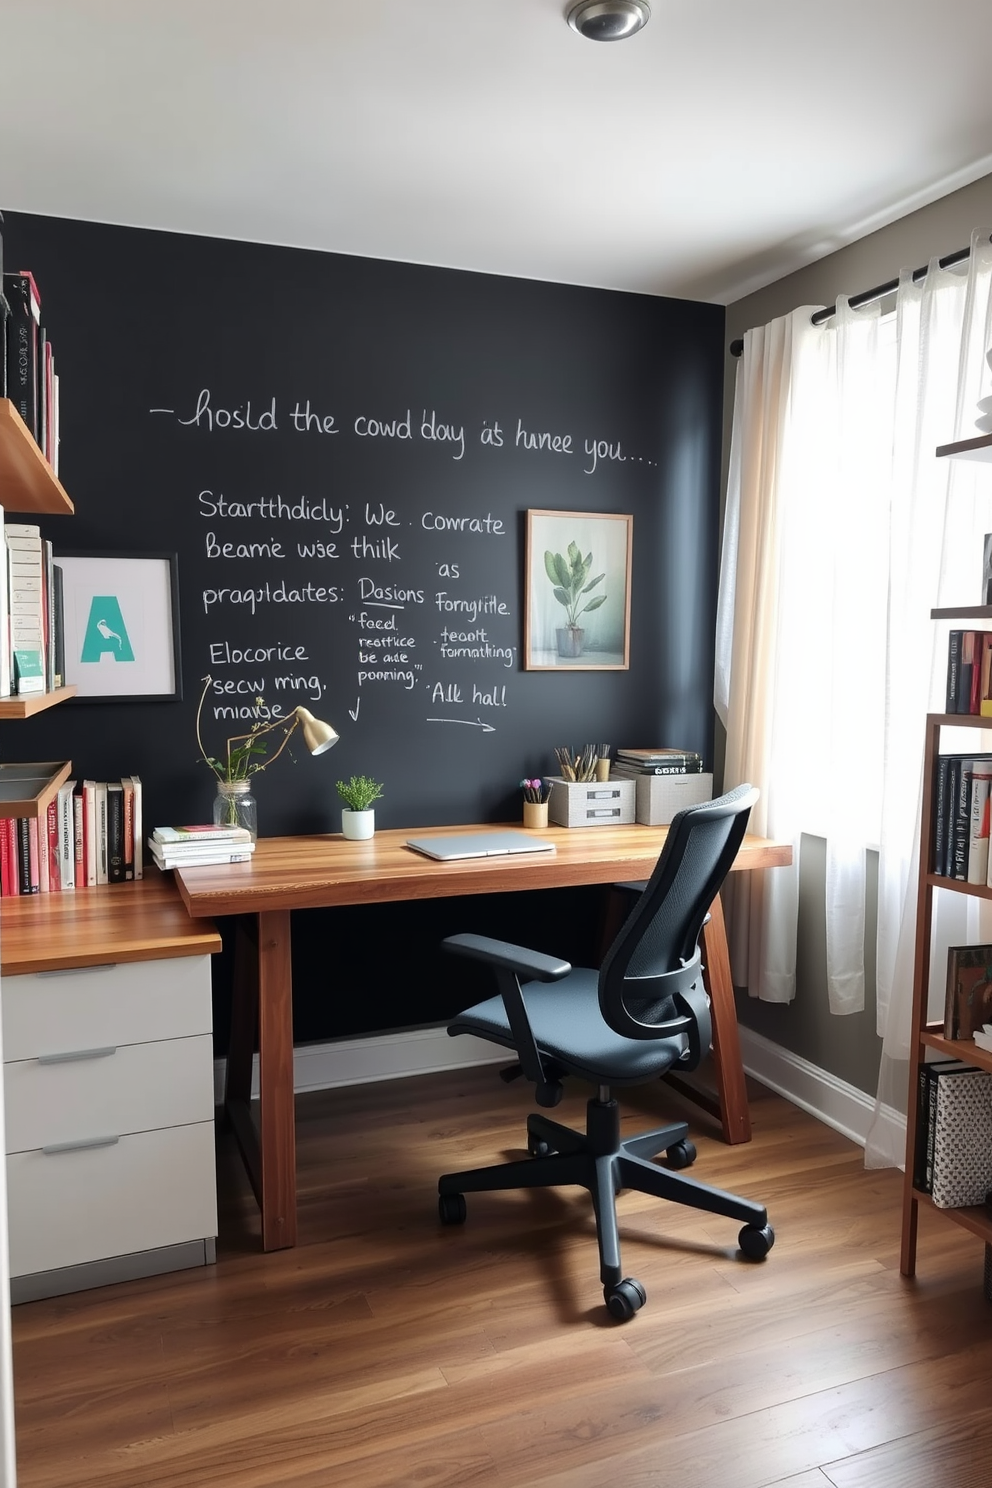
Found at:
(358, 818)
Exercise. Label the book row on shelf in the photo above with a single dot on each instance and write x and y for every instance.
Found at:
(969, 672)
(953, 1161)
(962, 799)
(89, 835)
(631, 763)
(32, 635)
(27, 363)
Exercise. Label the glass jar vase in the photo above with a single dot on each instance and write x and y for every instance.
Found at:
(235, 806)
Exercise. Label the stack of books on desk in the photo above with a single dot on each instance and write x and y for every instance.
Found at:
(198, 846)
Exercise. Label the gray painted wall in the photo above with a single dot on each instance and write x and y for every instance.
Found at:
(848, 1047)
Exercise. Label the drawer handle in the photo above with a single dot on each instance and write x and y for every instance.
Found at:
(76, 970)
(73, 1054)
(79, 1144)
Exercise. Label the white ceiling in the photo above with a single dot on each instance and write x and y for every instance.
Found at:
(727, 144)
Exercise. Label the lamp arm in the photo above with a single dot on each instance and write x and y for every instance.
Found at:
(254, 733)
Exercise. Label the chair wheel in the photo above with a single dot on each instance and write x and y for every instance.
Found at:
(538, 1147)
(756, 1241)
(451, 1208)
(624, 1299)
(682, 1154)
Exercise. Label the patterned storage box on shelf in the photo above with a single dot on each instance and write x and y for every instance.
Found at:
(591, 803)
(660, 797)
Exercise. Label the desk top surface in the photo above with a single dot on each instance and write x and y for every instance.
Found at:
(142, 921)
(316, 872)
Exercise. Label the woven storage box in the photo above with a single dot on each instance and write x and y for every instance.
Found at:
(660, 797)
(591, 803)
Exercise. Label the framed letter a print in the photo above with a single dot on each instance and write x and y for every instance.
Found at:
(577, 576)
(121, 626)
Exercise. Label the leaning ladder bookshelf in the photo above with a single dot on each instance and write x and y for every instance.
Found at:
(929, 1035)
(926, 1035)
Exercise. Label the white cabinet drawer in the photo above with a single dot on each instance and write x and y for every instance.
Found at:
(108, 1092)
(90, 1007)
(144, 1191)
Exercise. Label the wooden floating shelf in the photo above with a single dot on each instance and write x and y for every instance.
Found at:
(27, 481)
(964, 1049)
(979, 448)
(963, 612)
(33, 702)
(25, 790)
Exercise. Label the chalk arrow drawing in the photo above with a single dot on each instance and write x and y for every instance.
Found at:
(487, 728)
(358, 704)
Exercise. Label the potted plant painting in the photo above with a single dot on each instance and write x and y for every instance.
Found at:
(358, 818)
(570, 577)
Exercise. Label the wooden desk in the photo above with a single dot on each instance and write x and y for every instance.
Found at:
(287, 873)
(143, 921)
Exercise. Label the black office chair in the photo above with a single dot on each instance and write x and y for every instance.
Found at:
(642, 1014)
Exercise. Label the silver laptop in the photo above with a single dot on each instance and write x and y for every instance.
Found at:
(478, 845)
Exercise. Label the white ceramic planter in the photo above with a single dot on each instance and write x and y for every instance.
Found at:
(358, 825)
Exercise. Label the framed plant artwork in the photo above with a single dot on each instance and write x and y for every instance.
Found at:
(577, 578)
(121, 626)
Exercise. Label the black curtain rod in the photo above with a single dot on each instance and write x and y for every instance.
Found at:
(869, 296)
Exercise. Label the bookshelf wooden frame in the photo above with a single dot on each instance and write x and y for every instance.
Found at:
(927, 1035)
(979, 448)
(28, 482)
(33, 702)
(25, 795)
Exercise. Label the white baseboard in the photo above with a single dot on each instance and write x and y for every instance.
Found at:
(422, 1051)
(832, 1100)
(385, 1056)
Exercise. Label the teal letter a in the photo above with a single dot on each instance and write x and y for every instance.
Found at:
(106, 631)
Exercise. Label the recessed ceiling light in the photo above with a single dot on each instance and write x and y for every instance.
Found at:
(608, 20)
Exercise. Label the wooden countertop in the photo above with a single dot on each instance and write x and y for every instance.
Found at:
(314, 872)
(142, 921)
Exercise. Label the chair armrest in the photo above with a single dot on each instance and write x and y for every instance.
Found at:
(531, 965)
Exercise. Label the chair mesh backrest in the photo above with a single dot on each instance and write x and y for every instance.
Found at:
(661, 934)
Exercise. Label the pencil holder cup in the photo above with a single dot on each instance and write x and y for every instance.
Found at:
(603, 768)
(535, 814)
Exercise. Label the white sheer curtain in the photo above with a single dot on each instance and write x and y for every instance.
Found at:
(842, 531)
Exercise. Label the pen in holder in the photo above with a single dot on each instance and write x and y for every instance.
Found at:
(535, 803)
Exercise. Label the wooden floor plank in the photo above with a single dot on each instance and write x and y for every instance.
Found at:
(386, 1350)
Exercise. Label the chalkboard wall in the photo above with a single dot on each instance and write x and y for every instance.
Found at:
(341, 452)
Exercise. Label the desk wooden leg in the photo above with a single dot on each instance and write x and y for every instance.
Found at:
(263, 1004)
(735, 1117)
(241, 1048)
(275, 1060)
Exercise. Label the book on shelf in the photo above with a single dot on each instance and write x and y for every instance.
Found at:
(630, 763)
(978, 841)
(962, 1140)
(967, 990)
(232, 852)
(66, 836)
(21, 294)
(5, 674)
(127, 797)
(25, 565)
(115, 832)
(100, 827)
(138, 829)
(930, 1073)
(78, 838)
(983, 1037)
(987, 569)
(89, 833)
(199, 835)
